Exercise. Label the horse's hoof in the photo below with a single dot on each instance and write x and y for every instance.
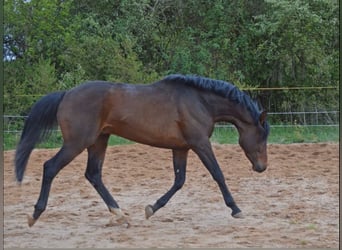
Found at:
(124, 221)
(238, 215)
(30, 220)
(120, 218)
(118, 222)
(148, 211)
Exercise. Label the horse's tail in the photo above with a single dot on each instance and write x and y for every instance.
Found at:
(41, 119)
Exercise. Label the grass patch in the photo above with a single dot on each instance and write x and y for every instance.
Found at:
(301, 134)
(55, 140)
(282, 135)
(312, 227)
(222, 135)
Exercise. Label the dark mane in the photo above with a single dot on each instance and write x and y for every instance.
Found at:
(221, 88)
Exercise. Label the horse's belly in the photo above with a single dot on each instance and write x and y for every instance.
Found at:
(164, 137)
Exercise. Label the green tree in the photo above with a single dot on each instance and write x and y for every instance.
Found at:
(291, 44)
(296, 46)
(57, 44)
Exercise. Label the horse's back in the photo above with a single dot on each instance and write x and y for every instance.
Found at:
(147, 114)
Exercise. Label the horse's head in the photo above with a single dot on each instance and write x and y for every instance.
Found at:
(253, 140)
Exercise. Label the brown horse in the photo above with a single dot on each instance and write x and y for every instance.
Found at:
(178, 113)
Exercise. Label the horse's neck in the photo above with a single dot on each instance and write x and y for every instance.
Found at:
(228, 111)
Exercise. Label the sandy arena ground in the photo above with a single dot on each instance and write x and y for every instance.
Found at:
(294, 203)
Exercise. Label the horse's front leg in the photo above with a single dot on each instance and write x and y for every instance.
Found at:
(206, 154)
(179, 165)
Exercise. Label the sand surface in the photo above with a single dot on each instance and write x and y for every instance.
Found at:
(294, 203)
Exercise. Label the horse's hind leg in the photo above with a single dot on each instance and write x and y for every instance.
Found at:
(179, 165)
(96, 155)
(51, 168)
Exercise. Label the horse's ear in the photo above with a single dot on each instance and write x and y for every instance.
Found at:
(262, 117)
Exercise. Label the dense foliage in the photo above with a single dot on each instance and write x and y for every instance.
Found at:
(56, 44)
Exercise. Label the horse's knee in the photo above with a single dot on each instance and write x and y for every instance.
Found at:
(179, 178)
(94, 168)
(218, 177)
(93, 177)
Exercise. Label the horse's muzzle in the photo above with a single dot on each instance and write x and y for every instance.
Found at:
(259, 167)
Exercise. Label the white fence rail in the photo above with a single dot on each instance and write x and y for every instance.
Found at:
(14, 123)
(323, 123)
